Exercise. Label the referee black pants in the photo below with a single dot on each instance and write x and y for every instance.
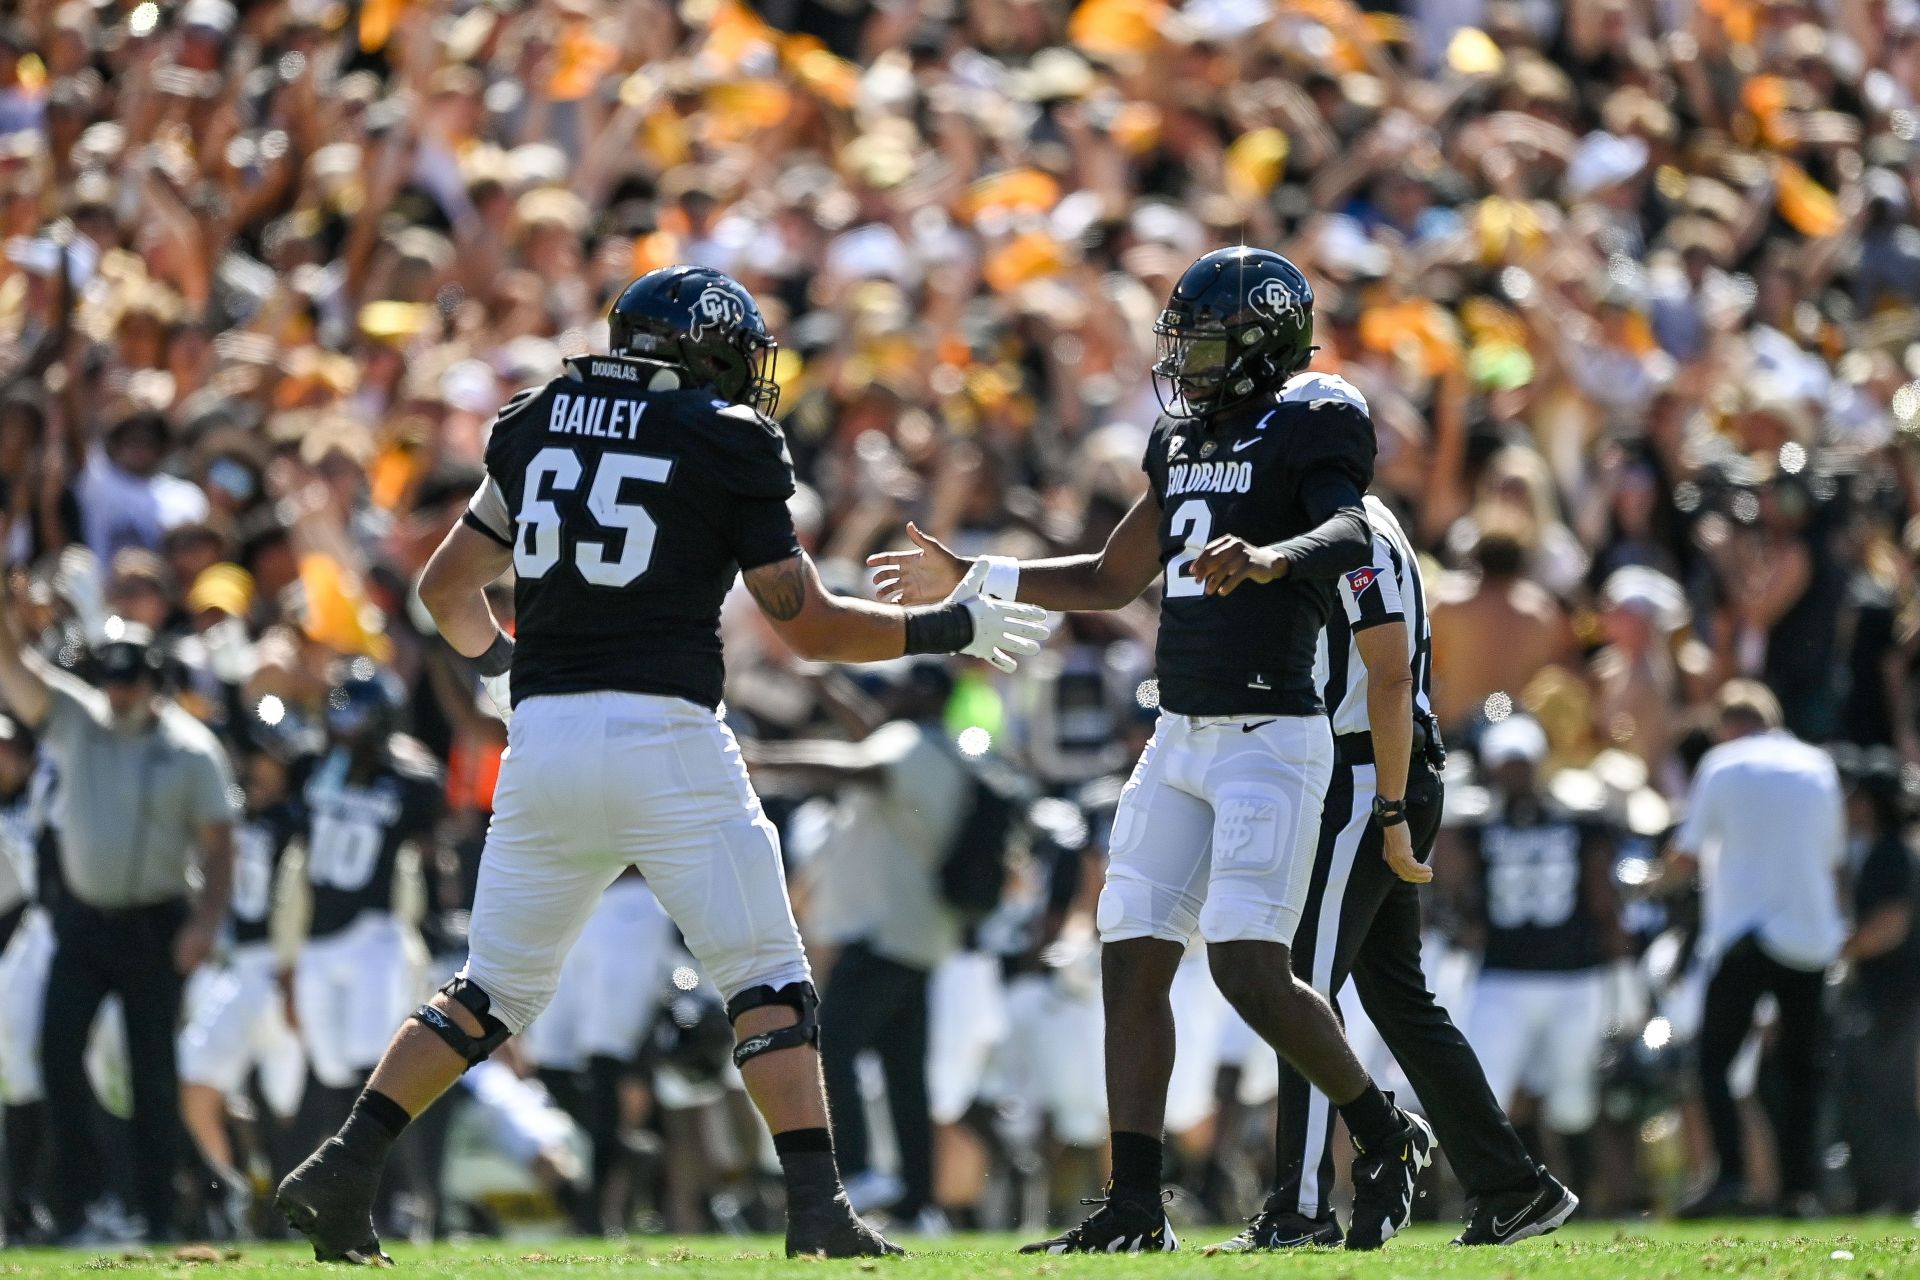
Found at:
(97, 954)
(1364, 921)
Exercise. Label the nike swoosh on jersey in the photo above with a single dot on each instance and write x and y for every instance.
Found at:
(1238, 445)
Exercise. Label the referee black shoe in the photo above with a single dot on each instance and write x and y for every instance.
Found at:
(1383, 1183)
(1273, 1229)
(1512, 1216)
(329, 1200)
(1119, 1225)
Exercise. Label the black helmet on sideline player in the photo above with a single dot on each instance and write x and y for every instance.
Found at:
(704, 325)
(1238, 325)
(363, 706)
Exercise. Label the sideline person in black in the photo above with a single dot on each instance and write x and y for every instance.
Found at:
(1880, 1011)
(143, 788)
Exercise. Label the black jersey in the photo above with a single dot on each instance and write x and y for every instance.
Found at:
(1533, 885)
(629, 512)
(1260, 472)
(355, 828)
(260, 840)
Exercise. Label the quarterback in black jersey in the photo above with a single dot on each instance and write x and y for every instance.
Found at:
(626, 495)
(1255, 475)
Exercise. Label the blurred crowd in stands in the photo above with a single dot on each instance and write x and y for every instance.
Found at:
(1631, 286)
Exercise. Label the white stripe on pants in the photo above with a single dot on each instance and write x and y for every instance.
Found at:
(1326, 945)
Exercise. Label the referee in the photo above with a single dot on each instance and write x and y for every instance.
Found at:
(1363, 918)
(143, 788)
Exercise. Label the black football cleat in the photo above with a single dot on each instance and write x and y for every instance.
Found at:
(1118, 1225)
(1512, 1216)
(329, 1200)
(1383, 1183)
(831, 1229)
(1275, 1229)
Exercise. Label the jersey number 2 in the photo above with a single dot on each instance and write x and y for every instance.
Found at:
(537, 550)
(1193, 524)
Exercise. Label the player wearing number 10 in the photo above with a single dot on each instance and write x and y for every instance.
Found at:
(1256, 472)
(626, 495)
(371, 793)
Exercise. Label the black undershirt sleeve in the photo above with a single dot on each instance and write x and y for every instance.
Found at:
(1341, 541)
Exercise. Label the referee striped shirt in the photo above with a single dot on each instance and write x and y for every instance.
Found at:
(1386, 589)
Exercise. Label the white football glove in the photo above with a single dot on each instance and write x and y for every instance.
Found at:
(1004, 631)
(499, 692)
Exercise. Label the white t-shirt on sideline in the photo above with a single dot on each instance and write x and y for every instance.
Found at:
(1767, 820)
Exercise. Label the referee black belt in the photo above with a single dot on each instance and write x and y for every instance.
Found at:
(1353, 749)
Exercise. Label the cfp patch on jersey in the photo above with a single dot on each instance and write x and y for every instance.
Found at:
(1360, 579)
(717, 313)
(1274, 300)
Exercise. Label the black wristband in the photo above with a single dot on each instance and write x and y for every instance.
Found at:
(939, 628)
(498, 657)
(1389, 813)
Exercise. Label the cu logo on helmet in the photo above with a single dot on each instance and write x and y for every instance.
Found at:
(1275, 301)
(717, 313)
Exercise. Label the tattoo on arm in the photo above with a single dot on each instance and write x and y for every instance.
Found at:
(780, 589)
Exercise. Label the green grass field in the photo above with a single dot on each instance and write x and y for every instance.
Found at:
(1865, 1250)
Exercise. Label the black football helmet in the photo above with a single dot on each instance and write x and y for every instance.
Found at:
(364, 704)
(1239, 323)
(703, 324)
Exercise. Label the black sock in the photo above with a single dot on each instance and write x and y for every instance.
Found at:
(1371, 1118)
(373, 1125)
(1137, 1160)
(806, 1161)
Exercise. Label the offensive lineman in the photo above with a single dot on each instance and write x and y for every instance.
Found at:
(625, 495)
(1256, 472)
(1363, 918)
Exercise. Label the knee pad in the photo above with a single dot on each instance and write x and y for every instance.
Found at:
(475, 1049)
(798, 996)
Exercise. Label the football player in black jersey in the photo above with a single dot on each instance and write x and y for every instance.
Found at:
(374, 792)
(1543, 899)
(236, 1015)
(626, 495)
(1255, 471)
